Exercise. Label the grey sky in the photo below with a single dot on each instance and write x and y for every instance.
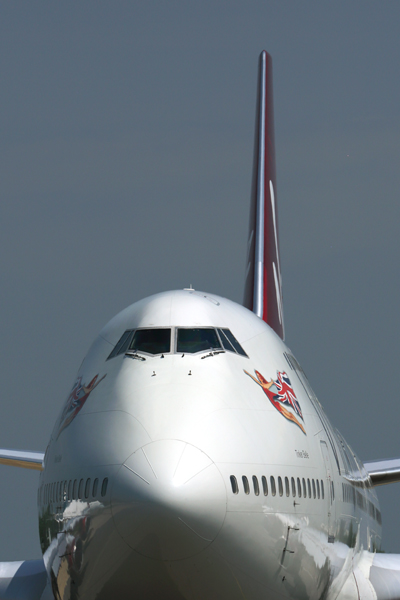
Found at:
(125, 158)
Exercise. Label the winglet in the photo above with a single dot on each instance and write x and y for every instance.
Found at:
(263, 287)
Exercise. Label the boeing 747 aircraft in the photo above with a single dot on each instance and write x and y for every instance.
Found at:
(191, 459)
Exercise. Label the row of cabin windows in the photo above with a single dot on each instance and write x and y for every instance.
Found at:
(354, 497)
(185, 340)
(310, 488)
(63, 491)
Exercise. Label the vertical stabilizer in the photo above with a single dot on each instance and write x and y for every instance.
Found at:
(263, 287)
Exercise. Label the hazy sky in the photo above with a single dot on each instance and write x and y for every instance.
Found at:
(125, 156)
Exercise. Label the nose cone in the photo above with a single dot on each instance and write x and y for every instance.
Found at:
(168, 500)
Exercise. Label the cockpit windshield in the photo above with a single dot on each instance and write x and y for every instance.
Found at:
(151, 341)
(185, 340)
(230, 343)
(197, 340)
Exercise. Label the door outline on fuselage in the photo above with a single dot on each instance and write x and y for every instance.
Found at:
(330, 491)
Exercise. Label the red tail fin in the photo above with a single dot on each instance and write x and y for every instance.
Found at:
(263, 287)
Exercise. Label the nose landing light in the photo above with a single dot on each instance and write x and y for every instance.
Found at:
(168, 500)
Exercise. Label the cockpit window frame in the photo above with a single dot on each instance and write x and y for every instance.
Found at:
(231, 341)
(177, 328)
(123, 342)
(126, 338)
(129, 340)
(171, 341)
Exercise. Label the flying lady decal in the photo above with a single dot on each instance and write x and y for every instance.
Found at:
(77, 398)
(280, 393)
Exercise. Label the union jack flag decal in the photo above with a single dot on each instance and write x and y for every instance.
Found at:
(286, 393)
(280, 393)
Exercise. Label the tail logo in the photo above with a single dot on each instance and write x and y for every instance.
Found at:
(281, 395)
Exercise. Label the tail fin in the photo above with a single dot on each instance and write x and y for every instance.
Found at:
(263, 287)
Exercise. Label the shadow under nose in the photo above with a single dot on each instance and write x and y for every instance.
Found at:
(168, 500)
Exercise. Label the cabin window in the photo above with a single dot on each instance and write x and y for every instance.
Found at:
(256, 486)
(234, 484)
(80, 490)
(65, 491)
(322, 490)
(371, 509)
(75, 489)
(313, 488)
(287, 486)
(87, 488)
(246, 486)
(151, 341)
(318, 493)
(190, 341)
(69, 497)
(298, 487)
(273, 487)
(104, 486)
(95, 486)
(230, 343)
(264, 485)
(293, 487)
(280, 486)
(309, 488)
(304, 488)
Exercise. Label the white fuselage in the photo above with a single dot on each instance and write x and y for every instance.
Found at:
(187, 449)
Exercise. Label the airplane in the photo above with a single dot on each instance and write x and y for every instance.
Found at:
(192, 460)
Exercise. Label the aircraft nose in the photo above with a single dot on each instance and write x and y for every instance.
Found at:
(168, 500)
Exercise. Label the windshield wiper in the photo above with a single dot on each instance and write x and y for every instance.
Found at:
(134, 354)
(213, 353)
